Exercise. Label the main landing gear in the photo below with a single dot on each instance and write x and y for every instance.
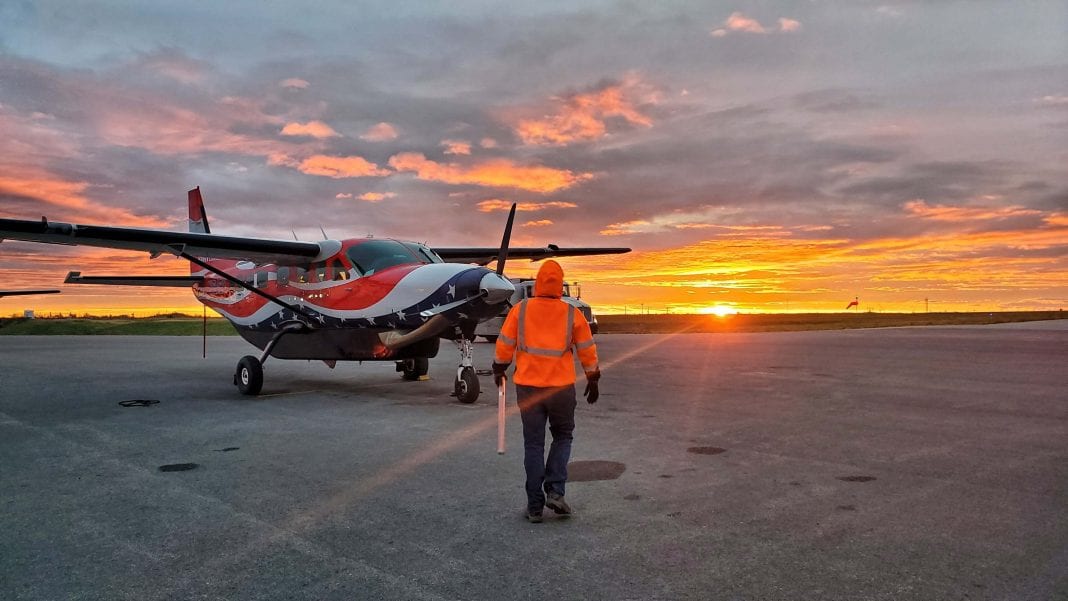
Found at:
(249, 375)
(414, 369)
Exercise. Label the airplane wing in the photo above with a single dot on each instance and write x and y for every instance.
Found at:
(483, 256)
(26, 292)
(178, 281)
(159, 242)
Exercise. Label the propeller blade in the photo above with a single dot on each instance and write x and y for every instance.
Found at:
(503, 254)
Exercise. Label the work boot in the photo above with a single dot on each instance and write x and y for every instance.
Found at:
(557, 503)
(534, 516)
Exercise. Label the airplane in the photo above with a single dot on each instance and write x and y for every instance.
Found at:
(27, 292)
(358, 299)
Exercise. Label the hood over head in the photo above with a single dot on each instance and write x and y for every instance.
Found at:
(550, 280)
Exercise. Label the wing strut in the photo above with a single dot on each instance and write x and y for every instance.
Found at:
(274, 299)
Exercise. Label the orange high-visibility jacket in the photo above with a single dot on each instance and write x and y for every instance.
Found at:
(541, 332)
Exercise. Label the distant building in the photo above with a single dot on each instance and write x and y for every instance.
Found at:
(28, 313)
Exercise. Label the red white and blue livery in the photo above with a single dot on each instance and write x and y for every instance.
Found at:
(360, 299)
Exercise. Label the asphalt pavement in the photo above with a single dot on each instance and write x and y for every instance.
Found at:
(885, 464)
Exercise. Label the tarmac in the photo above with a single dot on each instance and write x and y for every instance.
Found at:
(883, 464)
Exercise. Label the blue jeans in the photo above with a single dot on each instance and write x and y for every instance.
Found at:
(538, 406)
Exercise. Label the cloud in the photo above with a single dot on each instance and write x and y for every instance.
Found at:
(672, 221)
(48, 189)
(1052, 100)
(586, 116)
(314, 129)
(381, 132)
(342, 195)
(293, 82)
(340, 167)
(499, 173)
(539, 223)
(920, 208)
(488, 206)
(889, 11)
(376, 196)
(174, 64)
(788, 25)
(739, 23)
(456, 147)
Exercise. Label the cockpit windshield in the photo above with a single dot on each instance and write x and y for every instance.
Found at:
(370, 256)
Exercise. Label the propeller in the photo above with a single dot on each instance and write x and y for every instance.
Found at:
(503, 254)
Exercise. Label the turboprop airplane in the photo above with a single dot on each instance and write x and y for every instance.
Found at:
(360, 299)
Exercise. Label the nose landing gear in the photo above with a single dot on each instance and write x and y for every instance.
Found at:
(465, 388)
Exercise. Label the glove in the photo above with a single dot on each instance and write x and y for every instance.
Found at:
(591, 393)
(498, 373)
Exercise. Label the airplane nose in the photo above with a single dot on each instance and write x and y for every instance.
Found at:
(495, 289)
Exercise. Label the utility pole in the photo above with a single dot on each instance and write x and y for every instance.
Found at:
(927, 304)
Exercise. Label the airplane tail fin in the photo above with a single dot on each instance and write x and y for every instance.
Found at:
(198, 219)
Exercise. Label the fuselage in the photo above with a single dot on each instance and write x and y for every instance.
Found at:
(364, 287)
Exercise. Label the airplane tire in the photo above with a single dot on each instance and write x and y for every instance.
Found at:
(490, 338)
(414, 369)
(249, 376)
(466, 386)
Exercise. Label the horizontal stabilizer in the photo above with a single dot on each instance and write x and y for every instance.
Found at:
(177, 281)
(26, 292)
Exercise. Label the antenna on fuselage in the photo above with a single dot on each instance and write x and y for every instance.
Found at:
(325, 237)
(294, 232)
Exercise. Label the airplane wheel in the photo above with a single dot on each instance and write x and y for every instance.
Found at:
(491, 339)
(414, 369)
(466, 386)
(249, 376)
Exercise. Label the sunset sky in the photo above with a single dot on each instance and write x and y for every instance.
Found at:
(761, 156)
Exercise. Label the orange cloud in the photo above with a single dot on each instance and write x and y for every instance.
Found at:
(339, 167)
(293, 82)
(376, 196)
(381, 132)
(681, 220)
(920, 208)
(68, 196)
(739, 23)
(456, 147)
(583, 117)
(315, 129)
(502, 173)
(488, 206)
(626, 227)
(539, 223)
(1057, 219)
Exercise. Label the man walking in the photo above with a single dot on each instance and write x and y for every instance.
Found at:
(540, 333)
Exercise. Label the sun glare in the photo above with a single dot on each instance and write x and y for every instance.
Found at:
(718, 310)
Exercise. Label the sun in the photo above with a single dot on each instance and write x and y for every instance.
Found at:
(718, 310)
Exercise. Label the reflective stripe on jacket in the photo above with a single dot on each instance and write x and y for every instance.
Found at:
(542, 333)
